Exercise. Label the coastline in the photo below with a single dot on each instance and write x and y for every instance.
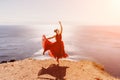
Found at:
(32, 69)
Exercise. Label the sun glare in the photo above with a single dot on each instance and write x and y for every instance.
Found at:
(116, 4)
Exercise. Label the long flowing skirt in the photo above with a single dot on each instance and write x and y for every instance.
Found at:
(55, 49)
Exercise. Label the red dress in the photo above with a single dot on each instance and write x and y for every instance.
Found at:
(55, 49)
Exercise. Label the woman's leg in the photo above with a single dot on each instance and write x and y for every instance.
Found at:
(57, 60)
(44, 52)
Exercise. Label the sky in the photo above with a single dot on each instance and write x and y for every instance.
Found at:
(82, 12)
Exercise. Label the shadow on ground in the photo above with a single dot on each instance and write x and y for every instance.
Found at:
(54, 70)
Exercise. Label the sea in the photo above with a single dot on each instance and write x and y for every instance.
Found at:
(96, 43)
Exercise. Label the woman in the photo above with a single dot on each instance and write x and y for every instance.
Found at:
(56, 49)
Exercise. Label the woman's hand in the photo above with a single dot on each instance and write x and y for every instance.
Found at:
(59, 22)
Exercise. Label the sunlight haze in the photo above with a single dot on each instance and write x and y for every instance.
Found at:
(82, 12)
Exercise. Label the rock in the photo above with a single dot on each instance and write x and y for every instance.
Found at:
(3, 62)
(12, 60)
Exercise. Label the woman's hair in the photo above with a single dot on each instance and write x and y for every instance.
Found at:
(56, 30)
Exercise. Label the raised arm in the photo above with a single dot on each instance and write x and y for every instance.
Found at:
(51, 37)
(61, 28)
